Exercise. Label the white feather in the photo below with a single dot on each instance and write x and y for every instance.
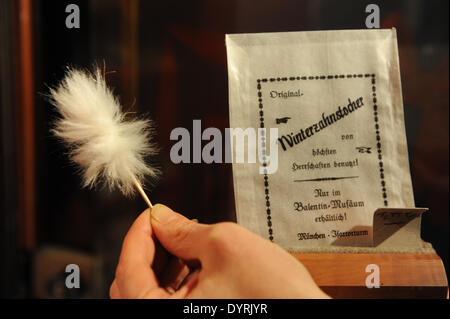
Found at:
(110, 150)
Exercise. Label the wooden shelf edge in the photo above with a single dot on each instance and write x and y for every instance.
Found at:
(401, 275)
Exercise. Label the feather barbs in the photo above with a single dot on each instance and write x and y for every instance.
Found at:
(109, 149)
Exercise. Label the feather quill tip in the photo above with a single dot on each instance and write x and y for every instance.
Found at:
(110, 150)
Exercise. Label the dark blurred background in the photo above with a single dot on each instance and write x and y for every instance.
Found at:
(167, 59)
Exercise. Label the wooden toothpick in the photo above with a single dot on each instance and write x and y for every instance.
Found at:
(142, 192)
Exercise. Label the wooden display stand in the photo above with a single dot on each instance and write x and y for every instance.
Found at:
(344, 275)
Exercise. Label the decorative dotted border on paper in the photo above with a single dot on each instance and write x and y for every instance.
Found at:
(316, 77)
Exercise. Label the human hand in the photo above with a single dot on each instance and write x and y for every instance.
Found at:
(169, 256)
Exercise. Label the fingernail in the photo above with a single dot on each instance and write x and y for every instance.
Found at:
(170, 290)
(154, 212)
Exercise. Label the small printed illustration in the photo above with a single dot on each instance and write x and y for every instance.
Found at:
(282, 120)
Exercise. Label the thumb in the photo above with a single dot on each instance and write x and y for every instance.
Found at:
(180, 236)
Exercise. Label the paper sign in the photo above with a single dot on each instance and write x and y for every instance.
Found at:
(335, 98)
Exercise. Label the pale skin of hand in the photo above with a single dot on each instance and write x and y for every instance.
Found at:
(193, 260)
